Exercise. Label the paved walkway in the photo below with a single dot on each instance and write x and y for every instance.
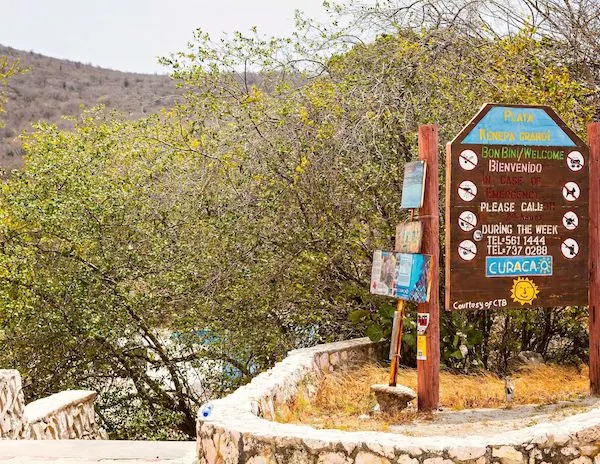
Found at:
(94, 451)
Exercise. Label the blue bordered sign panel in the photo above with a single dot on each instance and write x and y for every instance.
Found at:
(516, 211)
(518, 266)
(404, 276)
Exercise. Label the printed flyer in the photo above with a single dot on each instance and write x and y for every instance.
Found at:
(401, 275)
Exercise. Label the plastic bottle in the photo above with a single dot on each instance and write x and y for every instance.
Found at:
(206, 410)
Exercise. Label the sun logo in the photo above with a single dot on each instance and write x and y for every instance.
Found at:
(524, 291)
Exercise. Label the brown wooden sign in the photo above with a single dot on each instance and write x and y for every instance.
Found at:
(409, 236)
(516, 212)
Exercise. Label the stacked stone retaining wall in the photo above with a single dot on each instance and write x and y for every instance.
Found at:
(12, 405)
(240, 428)
(65, 415)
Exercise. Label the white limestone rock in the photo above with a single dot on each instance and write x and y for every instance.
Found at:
(581, 460)
(406, 459)
(333, 458)
(569, 451)
(588, 450)
(466, 453)
(508, 455)
(260, 460)
(393, 399)
(535, 455)
(369, 458)
(438, 460)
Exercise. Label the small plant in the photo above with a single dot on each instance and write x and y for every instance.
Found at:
(378, 326)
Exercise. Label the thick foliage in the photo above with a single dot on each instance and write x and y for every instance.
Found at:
(168, 260)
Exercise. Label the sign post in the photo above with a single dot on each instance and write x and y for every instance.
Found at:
(594, 260)
(397, 343)
(406, 275)
(516, 212)
(428, 369)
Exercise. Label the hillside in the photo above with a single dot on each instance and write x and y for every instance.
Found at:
(54, 88)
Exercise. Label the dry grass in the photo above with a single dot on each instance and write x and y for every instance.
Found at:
(344, 396)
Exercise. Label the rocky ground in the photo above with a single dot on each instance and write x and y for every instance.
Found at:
(490, 421)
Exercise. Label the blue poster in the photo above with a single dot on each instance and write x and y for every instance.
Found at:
(517, 266)
(401, 275)
(413, 186)
(412, 283)
(505, 125)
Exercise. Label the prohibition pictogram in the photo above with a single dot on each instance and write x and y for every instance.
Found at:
(467, 190)
(467, 250)
(575, 161)
(467, 221)
(571, 191)
(570, 220)
(569, 248)
(468, 160)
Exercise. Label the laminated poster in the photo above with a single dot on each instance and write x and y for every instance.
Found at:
(401, 275)
(413, 186)
(421, 348)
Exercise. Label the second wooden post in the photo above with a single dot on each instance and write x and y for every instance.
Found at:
(428, 370)
(594, 258)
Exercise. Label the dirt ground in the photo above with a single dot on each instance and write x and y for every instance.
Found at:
(489, 421)
(470, 404)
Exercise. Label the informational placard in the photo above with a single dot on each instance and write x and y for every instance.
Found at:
(409, 236)
(421, 347)
(516, 212)
(413, 185)
(423, 320)
(401, 275)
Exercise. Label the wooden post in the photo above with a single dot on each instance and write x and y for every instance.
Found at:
(428, 371)
(397, 344)
(397, 337)
(594, 257)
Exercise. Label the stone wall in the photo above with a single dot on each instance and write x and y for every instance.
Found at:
(239, 428)
(65, 415)
(12, 405)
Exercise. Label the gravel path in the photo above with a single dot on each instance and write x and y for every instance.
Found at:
(471, 422)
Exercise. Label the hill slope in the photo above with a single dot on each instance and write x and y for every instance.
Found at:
(54, 88)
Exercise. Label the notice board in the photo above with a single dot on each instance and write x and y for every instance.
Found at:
(516, 211)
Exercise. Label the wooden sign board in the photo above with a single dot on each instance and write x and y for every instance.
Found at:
(401, 275)
(409, 236)
(413, 185)
(516, 212)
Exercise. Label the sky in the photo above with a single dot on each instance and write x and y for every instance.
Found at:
(129, 35)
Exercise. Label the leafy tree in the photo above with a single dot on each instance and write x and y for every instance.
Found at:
(168, 260)
(8, 68)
